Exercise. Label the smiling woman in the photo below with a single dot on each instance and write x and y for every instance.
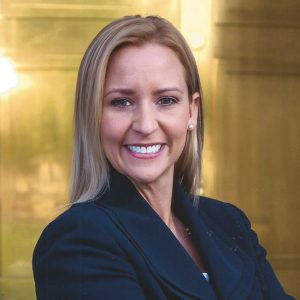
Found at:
(136, 228)
(146, 113)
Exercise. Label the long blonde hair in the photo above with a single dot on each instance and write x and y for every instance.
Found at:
(90, 170)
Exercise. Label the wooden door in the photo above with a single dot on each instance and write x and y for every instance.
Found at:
(255, 122)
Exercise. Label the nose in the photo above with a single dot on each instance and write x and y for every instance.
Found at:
(145, 120)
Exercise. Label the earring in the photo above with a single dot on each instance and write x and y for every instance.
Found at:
(190, 127)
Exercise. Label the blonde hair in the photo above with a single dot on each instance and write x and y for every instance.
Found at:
(90, 169)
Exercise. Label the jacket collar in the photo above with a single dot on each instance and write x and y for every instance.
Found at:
(164, 254)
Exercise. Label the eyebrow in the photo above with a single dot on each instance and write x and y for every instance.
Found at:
(169, 89)
(120, 91)
(126, 91)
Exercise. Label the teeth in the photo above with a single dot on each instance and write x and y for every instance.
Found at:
(145, 150)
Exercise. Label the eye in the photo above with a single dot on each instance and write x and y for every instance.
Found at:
(121, 102)
(165, 101)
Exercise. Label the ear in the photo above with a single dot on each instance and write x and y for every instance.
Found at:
(194, 108)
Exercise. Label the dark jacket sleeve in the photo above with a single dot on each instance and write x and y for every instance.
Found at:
(76, 258)
(271, 287)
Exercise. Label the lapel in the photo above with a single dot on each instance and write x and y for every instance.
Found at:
(165, 256)
(231, 270)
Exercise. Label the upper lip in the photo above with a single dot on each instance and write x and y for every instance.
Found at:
(143, 145)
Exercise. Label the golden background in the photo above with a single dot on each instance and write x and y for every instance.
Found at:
(248, 53)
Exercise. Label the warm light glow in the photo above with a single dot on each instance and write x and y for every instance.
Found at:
(197, 40)
(196, 25)
(8, 75)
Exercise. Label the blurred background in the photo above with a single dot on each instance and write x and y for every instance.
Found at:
(248, 54)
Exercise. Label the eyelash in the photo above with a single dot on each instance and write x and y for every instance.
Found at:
(173, 101)
(124, 102)
(121, 102)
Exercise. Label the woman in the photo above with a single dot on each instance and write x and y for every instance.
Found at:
(135, 230)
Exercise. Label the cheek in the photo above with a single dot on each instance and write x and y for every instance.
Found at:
(179, 132)
(178, 125)
(111, 132)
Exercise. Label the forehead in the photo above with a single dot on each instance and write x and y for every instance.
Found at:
(154, 50)
(149, 57)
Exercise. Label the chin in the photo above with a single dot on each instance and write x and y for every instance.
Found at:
(147, 177)
(142, 178)
(146, 173)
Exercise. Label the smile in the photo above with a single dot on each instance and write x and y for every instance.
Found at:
(145, 149)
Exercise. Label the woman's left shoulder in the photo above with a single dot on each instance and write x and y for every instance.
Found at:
(227, 221)
(231, 224)
(225, 214)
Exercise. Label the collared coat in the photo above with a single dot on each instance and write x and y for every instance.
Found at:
(116, 247)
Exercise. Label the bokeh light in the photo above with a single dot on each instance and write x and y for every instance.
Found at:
(8, 75)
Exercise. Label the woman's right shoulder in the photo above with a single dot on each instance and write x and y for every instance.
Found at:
(85, 221)
(77, 252)
(78, 216)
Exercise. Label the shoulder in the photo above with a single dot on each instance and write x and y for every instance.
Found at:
(228, 222)
(224, 214)
(79, 254)
(83, 223)
(85, 216)
(231, 224)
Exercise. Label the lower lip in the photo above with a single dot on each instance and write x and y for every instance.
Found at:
(145, 155)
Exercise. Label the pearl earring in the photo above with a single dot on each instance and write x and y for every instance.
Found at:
(190, 127)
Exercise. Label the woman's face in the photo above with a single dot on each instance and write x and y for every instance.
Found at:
(146, 112)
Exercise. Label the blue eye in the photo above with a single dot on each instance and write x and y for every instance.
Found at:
(165, 101)
(122, 102)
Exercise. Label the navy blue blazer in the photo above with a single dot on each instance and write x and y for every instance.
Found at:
(116, 247)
